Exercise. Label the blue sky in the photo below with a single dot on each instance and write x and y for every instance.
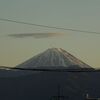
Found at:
(76, 14)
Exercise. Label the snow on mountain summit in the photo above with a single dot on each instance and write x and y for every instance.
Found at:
(53, 58)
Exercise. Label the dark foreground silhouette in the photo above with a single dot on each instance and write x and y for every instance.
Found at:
(37, 85)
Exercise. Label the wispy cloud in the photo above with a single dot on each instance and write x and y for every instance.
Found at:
(34, 35)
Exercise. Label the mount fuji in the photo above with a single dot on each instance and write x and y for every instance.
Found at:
(56, 58)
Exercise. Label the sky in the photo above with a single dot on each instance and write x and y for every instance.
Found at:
(19, 42)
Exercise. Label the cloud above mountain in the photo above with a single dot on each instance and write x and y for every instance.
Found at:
(34, 35)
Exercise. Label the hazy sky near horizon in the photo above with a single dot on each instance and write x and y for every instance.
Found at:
(20, 42)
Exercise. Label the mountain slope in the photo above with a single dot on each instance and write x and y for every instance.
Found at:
(53, 58)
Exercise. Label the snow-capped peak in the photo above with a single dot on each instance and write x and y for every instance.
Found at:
(54, 58)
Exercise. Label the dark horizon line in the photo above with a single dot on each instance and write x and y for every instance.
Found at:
(55, 70)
